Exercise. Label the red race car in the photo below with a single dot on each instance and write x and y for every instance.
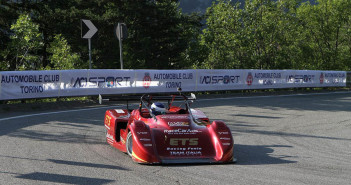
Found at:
(168, 132)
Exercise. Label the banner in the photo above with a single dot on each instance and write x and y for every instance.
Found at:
(65, 83)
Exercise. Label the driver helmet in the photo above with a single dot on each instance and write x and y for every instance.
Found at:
(158, 108)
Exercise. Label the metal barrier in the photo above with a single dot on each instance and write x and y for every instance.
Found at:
(348, 79)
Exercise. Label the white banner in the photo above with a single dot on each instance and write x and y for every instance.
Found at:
(61, 83)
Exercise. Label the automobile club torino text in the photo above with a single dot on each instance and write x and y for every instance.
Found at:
(30, 79)
(173, 76)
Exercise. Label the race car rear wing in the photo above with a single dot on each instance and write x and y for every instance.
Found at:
(146, 100)
(146, 97)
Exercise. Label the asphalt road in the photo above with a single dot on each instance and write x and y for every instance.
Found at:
(278, 140)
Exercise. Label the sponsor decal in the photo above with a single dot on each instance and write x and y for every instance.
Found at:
(222, 133)
(189, 151)
(183, 148)
(321, 78)
(99, 81)
(178, 123)
(109, 136)
(193, 153)
(122, 140)
(334, 78)
(267, 78)
(176, 79)
(142, 133)
(219, 79)
(32, 89)
(249, 79)
(334, 75)
(147, 80)
(300, 78)
(30, 78)
(173, 85)
(147, 144)
(226, 144)
(266, 82)
(182, 131)
(176, 149)
(268, 75)
(145, 139)
(110, 82)
(183, 141)
(224, 138)
(174, 117)
(173, 76)
(121, 111)
(108, 120)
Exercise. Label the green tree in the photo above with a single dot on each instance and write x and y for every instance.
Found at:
(6, 15)
(159, 34)
(325, 28)
(61, 55)
(267, 34)
(24, 45)
(195, 53)
(252, 37)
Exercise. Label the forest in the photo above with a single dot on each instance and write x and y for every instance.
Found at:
(255, 34)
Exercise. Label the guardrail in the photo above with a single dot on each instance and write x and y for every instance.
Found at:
(66, 83)
(348, 79)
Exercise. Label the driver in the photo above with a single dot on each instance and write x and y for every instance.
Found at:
(158, 108)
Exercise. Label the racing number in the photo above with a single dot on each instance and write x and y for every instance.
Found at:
(183, 141)
(108, 120)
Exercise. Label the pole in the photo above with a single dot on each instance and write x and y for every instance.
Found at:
(120, 44)
(89, 41)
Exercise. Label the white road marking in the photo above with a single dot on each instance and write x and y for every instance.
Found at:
(272, 96)
(213, 99)
(57, 112)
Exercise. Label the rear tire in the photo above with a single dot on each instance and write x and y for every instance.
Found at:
(129, 144)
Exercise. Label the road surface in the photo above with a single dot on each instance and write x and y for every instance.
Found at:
(294, 139)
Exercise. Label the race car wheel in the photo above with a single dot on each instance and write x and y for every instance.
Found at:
(129, 144)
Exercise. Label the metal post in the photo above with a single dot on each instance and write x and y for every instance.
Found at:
(89, 53)
(120, 44)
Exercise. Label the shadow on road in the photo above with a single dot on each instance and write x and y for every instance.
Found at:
(259, 154)
(93, 165)
(71, 163)
(62, 136)
(68, 179)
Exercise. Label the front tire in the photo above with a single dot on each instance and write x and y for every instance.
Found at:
(129, 144)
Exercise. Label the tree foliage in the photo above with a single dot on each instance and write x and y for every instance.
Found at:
(325, 31)
(260, 34)
(61, 55)
(159, 33)
(24, 45)
(268, 34)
